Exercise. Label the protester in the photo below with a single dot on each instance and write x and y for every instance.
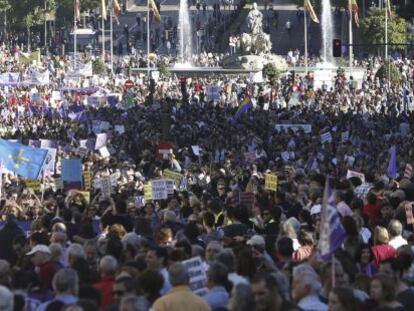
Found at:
(164, 195)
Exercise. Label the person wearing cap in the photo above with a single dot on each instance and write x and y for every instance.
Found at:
(41, 257)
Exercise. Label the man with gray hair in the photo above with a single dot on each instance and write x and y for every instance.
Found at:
(108, 267)
(133, 303)
(306, 286)
(395, 229)
(180, 297)
(66, 286)
(6, 299)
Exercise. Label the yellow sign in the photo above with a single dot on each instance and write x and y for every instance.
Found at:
(147, 192)
(270, 182)
(33, 184)
(86, 195)
(87, 180)
(168, 174)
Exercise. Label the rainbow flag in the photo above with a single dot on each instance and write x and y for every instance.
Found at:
(245, 105)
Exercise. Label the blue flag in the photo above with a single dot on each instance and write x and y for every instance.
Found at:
(332, 233)
(72, 170)
(245, 105)
(392, 164)
(25, 161)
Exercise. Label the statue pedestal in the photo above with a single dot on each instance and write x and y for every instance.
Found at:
(254, 62)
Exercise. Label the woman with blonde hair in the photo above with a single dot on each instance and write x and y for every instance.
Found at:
(381, 250)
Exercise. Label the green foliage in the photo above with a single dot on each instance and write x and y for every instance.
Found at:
(65, 9)
(164, 70)
(373, 29)
(271, 72)
(389, 70)
(26, 13)
(99, 67)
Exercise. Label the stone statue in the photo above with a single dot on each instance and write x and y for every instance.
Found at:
(255, 20)
(256, 42)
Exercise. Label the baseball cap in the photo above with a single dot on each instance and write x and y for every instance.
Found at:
(39, 248)
(256, 240)
(316, 209)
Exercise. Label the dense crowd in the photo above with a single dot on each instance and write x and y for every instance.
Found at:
(222, 238)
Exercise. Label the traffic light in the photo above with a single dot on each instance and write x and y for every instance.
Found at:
(337, 48)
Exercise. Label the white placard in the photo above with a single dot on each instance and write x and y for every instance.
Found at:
(159, 189)
(196, 271)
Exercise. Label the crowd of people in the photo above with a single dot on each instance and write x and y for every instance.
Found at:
(256, 246)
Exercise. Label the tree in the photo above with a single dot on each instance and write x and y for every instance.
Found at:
(271, 72)
(389, 70)
(65, 9)
(373, 29)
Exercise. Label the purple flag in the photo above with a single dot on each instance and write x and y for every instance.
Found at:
(392, 164)
(332, 233)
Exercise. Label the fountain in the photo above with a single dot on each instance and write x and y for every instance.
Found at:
(185, 37)
(325, 72)
(327, 32)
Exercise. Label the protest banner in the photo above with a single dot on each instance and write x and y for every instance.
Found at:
(350, 174)
(86, 195)
(34, 184)
(270, 182)
(213, 92)
(71, 174)
(50, 159)
(170, 185)
(87, 180)
(307, 128)
(197, 274)
(250, 157)
(326, 138)
(139, 201)
(164, 150)
(120, 129)
(159, 189)
(101, 140)
(408, 171)
(148, 192)
(169, 174)
(106, 186)
(409, 212)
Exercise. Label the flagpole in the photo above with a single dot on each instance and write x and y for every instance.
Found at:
(351, 39)
(306, 40)
(103, 34)
(386, 32)
(148, 40)
(75, 37)
(112, 35)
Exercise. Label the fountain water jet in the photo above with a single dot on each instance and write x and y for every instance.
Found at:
(327, 33)
(185, 37)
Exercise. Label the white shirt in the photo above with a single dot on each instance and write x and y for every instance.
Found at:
(344, 209)
(397, 242)
(312, 303)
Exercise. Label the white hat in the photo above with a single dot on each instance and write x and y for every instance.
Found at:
(39, 248)
(316, 209)
(256, 240)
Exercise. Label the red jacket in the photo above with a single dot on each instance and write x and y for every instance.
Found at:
(372, 211)
(382, 252)
(104, 285)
